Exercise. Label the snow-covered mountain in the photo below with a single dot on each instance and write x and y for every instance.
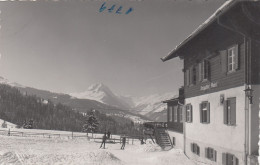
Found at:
(152, 103)
(146, 105)
(103, 94)
(150, 106)
(7, 82)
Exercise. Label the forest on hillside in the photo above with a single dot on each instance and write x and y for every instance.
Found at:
(19, 108)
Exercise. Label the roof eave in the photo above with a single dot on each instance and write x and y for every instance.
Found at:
(209, 21)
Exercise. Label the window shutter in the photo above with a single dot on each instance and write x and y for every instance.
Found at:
(184, 113)
(206, 152)
(191, 75)
(233, 111)
(236, 57)
(200, 72)
(198, 150)
(191, 113)
(187, 77)
(203, 70)
(206, 69)
(208, 112)
(224, 158)
(235, 162)
(201, 116)
(214, 155)
(223, 55)
(225, 112)
(191, 147)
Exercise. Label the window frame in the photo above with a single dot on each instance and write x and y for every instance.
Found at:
(204, 110)
(180, 114)
(188, 116)
(211, 154)
(228, 158)
(170, 119)
(175, 113)
(195, 148)
(230, 111)
(204, 70)
(234, 63)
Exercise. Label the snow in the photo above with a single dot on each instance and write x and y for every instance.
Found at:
(103, 94)
(37, 150)
(204, 24)
(142, 105)
(152, 103)
(7, 82)
(8, 124)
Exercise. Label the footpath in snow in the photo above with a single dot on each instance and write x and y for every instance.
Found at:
(35, 150)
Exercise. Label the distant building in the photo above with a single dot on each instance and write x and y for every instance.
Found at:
(222, 86)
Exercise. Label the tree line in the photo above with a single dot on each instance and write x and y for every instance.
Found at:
(22, 109)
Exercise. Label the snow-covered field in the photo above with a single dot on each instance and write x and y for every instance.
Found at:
(37, 150)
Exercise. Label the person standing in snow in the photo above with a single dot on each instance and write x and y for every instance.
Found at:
(108, 134)
(104, 138)
(123, 142)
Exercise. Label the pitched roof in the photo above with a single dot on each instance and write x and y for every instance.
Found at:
(227, 5)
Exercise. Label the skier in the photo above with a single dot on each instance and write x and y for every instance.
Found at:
(108, 134)
(104, 138)
(123, 142)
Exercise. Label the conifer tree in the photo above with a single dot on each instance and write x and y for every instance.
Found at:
(91, 124)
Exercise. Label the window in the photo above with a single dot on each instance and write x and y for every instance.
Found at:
(211, 154)
(188, 113)
(229, 59)
(181, 114)
(175, 113)
(191, 76)
(230, 111)
(229, 159)
(195, 148)
(204, 70)
(232, 58)
(205, 112)
(170, 113)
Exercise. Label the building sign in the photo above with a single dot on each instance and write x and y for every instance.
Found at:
(209, 86)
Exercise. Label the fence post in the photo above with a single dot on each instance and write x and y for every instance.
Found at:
(72, 135)
(132, 141)
(9, 132)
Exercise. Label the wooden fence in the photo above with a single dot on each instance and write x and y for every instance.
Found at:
(72, 135)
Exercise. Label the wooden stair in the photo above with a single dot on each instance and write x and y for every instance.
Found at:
(162, 138)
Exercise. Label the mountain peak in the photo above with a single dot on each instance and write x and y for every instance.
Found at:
(97, 87)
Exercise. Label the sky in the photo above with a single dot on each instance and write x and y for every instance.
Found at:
(65, 46)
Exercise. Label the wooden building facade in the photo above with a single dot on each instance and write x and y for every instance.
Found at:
(222, 86)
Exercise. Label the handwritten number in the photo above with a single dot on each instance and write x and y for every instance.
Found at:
(119, 10)
(111, 9)
(103, 7)
(129, 10)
